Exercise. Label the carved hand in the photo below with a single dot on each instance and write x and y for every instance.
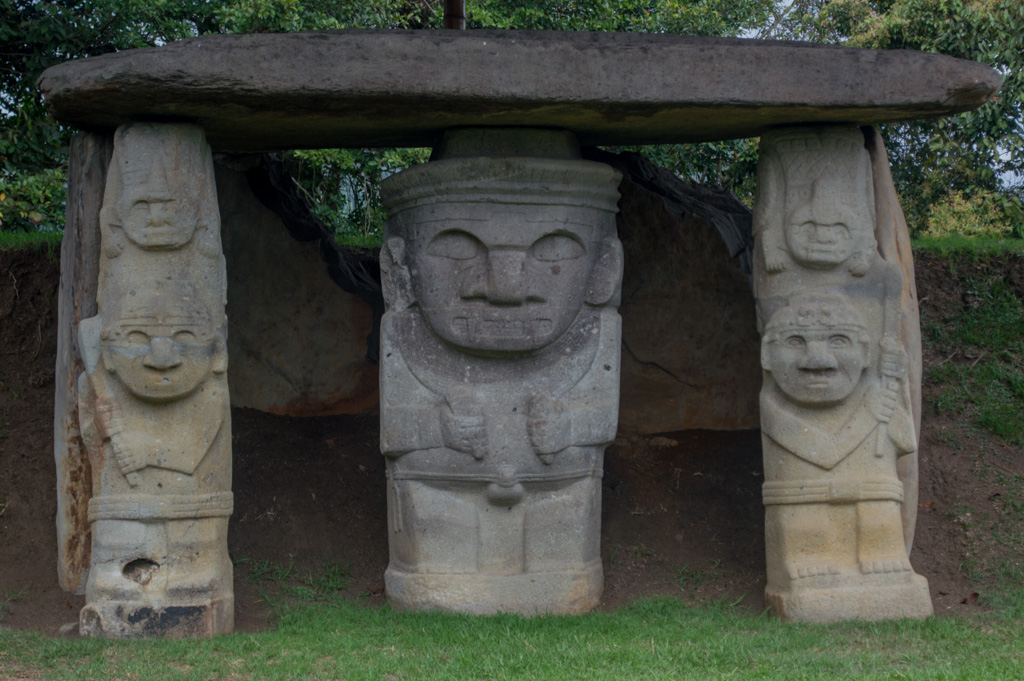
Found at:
(462, 425)
(111, 427)
(549, 426)
(774, 254)
(888, 394)
(894, 359)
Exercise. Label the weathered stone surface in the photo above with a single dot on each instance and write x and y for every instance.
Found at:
(402, 88)
(499, 372)
(837, 415)
(153, 399)
(79, 278)
(689, 335)
(298, 341)
(894, 244)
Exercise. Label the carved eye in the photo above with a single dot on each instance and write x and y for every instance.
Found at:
(137, 338)
(555, 247)
(455, 245)
(839, 342)
(184, 337)
(796, 342)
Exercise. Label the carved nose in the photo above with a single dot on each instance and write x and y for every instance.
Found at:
(506, 277)
(818, 357)
(162, 354)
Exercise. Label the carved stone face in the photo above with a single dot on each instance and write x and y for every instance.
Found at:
(825, 226)
(154, 220)
(511, 278)
(162, 351)
(816, 366)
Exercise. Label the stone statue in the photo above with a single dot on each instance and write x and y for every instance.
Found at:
(815, 201)
(155, 197)
(836, 412)
(153, 403)
(499, 372)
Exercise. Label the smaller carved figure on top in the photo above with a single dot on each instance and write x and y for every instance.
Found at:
(815, 200)
(160, 191)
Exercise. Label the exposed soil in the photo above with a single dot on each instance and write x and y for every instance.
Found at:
(682, 511)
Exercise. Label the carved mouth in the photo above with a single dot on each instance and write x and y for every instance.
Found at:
(819, 378)
(823, 251)
(501, 328)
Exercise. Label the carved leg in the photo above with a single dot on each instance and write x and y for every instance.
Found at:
(807, 539)
(880, 547)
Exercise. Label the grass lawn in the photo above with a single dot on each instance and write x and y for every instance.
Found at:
(662, 639)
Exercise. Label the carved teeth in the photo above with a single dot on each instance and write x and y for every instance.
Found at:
(501, 328)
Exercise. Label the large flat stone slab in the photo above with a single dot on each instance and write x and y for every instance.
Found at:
(401, 88)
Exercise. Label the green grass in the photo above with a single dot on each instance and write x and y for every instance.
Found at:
(958, 245)
(18, 241)
(7, 596)
(986, 380)
(659, 639)
(281, 585)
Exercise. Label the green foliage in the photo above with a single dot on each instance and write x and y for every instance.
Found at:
(978, 215)
(6, 595)
(731, 164)
(979, 153)
(958, 244)
(28, 200)
(343, 187)
(703, 17)
(968, 167)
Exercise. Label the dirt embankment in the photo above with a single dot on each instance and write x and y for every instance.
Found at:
(682, 511)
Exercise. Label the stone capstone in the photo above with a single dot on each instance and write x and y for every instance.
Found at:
(403, 88)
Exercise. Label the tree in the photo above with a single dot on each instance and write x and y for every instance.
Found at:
(974, 157)
(978, 154)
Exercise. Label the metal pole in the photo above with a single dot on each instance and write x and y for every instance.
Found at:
(455, 14)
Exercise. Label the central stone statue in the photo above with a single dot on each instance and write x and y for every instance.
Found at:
(499, 372)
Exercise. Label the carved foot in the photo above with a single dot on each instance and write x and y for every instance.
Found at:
(811, 570)
(869, 567)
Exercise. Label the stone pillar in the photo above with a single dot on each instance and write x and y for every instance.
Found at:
(153, 399)
(840, 371)
(79, 275)
(499, 372)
